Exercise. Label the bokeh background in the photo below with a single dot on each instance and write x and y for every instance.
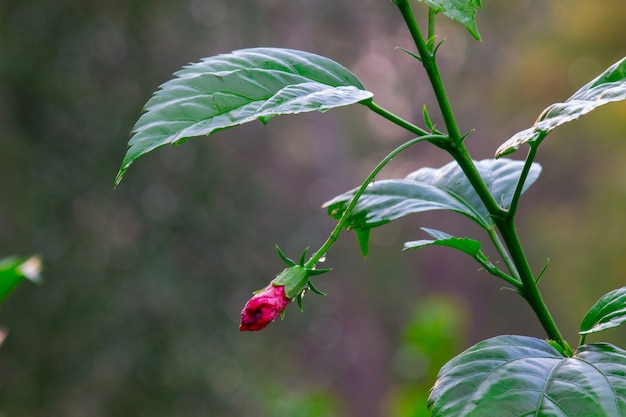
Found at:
(144, 284)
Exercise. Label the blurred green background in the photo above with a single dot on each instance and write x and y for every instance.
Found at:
(144, 284)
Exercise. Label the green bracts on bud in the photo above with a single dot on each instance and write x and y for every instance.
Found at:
(294, 279)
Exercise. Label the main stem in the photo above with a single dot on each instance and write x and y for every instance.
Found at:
(459, 152)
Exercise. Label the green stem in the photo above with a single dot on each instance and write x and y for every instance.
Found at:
(395, 119)
(522, 179)
(431, 26)
(530, 291)
(504, 254)
(428, 61)
(321, 252)
(493, 270)
(517, 263)
(457, 148)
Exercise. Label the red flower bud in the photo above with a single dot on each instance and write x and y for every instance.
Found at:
(263, 308)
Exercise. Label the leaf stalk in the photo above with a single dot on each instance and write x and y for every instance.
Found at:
(332, 238)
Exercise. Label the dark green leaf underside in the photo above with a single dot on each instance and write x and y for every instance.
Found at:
(231, 89)
(513, 376)
(608, 87)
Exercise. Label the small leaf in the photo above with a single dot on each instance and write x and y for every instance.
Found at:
(512, 376)
(14, 270)
(609, 311)
(231, 89)
(464, 244)
(463, 11)
(607, 87)
(445, 188)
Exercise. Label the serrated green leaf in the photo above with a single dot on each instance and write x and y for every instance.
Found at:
(14, 270)
(608, 87)
(609, 311)
(231, 89)
(445, 188)
(463, 11)
(512, 376)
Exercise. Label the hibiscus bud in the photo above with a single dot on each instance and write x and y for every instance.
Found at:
(263, 308)
(269, 303)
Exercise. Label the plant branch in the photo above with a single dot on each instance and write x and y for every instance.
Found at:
(530, 291)
(428, 61)
(395, 119)
(517, 263)
(457, 148)
(504, 254)
(493, 270)
(522, 179)
(344, 217)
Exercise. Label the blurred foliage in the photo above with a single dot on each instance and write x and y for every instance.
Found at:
(14, 270)
(433, 334)
(144, 284)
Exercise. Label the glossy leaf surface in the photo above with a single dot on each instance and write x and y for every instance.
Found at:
(231, 89)
(607, 87)
(463, 11)
(15, 270)
(609, 311)
(512, 376)
(445, 188)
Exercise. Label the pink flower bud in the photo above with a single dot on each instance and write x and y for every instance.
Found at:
(263, 308)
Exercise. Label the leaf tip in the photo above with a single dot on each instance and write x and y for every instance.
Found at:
(118, 177)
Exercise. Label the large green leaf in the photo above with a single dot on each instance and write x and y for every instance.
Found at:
(607, 87)
(609, 311)
(513, 376)
(14, 270)
(463, 11)
(445, 188)
(231, 89)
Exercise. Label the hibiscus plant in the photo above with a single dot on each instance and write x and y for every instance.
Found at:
(502, 376)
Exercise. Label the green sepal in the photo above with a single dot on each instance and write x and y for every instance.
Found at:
(313, 272)
(301, 263)
(286, 260)
(294, 279)
(299, 299)
(314, 289)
